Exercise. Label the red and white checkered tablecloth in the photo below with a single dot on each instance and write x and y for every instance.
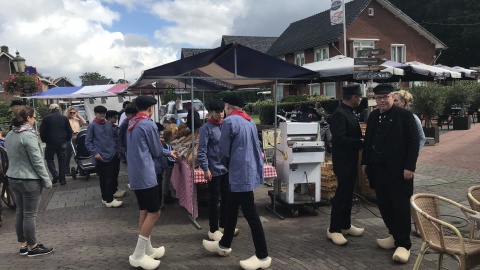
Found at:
(269, 171)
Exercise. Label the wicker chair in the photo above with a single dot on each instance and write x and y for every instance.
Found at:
(473, 195)
(426, 214)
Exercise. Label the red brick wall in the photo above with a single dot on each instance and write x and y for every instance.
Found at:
(389, 30)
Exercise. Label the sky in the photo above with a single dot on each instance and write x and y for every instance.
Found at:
(70, 37)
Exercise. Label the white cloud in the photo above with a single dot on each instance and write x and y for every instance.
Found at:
(70, 37)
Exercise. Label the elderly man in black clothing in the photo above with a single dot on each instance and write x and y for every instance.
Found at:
(347, 141)
(56, 132)
(389, 159)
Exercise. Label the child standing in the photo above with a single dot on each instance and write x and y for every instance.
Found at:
(112, 117)
(167, 187)
(102, 141)
(143, 145)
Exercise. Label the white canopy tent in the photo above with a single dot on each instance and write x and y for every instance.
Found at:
(342, 66)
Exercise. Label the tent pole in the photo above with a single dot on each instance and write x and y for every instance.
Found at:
(276, 184)
(235, 60)
(194, 188)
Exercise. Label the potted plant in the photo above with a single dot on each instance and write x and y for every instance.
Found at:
(429, 101)
(459, 96)
(475, 105)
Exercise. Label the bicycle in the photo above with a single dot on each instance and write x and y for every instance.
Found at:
(8, 197)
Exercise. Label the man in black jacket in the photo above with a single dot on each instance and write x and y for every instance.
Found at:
(56, 132)
(389, 159)
(347, 141)
(197, 123)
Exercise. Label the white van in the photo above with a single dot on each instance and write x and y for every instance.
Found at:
(170, 110)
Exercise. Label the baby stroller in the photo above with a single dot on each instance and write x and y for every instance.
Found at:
(82, 157)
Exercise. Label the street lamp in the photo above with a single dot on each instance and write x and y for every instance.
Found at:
(19, 63)
(123, 72)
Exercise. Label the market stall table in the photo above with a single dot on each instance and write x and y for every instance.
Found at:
(186, 191)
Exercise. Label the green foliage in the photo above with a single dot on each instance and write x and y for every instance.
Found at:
(476, 95)
(429, 100)
(91, 76)
(22, 84)
(295, 98)
(250, 96)
(267, 109)
(5, 116)
(453, 22)
(461, 93)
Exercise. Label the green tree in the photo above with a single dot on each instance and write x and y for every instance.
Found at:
(91, 76)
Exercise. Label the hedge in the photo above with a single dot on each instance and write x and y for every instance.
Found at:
(267, 111)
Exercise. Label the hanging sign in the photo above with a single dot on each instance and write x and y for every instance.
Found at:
(362, 76)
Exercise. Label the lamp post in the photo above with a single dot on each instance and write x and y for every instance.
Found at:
(19, 63)
(123, 72)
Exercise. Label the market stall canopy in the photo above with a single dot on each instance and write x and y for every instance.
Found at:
(341, 68)
(416, 71)
(466, 73)
(228, 67)
(80, 92)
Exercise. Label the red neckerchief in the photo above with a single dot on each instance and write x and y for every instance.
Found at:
(101, 122)
(114, 125)
(213, 121)
(242, 113)
(137, 119)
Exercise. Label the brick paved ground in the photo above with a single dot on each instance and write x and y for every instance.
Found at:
(86, 235)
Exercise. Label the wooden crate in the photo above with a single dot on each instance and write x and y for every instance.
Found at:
(361, 186)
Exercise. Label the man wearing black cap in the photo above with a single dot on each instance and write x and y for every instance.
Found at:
(102, 142)
(240, 152)
(56, 132)
(346, 143)
(142, 148)
(214, 171)
(197, 123)
(389, 159)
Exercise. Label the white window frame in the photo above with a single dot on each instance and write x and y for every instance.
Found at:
(299, 58)
(393, 53)
(312, 86)
(321, 53)
(282, 57)
(1, 87)
(362, 44)
(279, 92)
(325, 85)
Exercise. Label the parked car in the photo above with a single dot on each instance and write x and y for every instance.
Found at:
(169, 110)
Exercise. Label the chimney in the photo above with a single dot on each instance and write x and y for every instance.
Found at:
(4, 49)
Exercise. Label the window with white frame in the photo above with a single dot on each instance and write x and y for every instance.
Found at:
(300, 58)
(1, 87)
(279, 92)
(362, 45)
(398, 52)
(321, 53)
(315, 89)
(329, 90)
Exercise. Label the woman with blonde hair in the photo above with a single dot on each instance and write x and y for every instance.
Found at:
(404, 99)
(76, 122)
(27, 176)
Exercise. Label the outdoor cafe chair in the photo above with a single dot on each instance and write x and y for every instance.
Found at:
(440, 236)
(473, 195)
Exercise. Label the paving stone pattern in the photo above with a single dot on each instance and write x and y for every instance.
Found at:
(87, 235)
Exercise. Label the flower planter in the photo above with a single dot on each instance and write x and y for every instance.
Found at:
(432, 132)
(461, 123)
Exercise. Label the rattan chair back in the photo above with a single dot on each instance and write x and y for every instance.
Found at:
(440, 236)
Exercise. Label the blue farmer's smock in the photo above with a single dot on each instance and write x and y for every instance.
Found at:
(102, 139)
(208, 148)
(240, 145)
(143, 146)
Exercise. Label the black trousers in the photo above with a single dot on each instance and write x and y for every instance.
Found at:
(116, 171)
(61, 150)
(218, 187)
(340, 218)
(393, 199)
(105, 173)
(245, 200)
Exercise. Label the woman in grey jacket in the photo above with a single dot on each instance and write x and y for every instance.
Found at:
(27, 176)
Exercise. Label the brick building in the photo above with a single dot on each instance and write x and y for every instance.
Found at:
(370, 24)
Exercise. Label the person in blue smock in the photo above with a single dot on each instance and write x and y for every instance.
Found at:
(102, 142)
(143, 146)
(240, 152)
(215, 173)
